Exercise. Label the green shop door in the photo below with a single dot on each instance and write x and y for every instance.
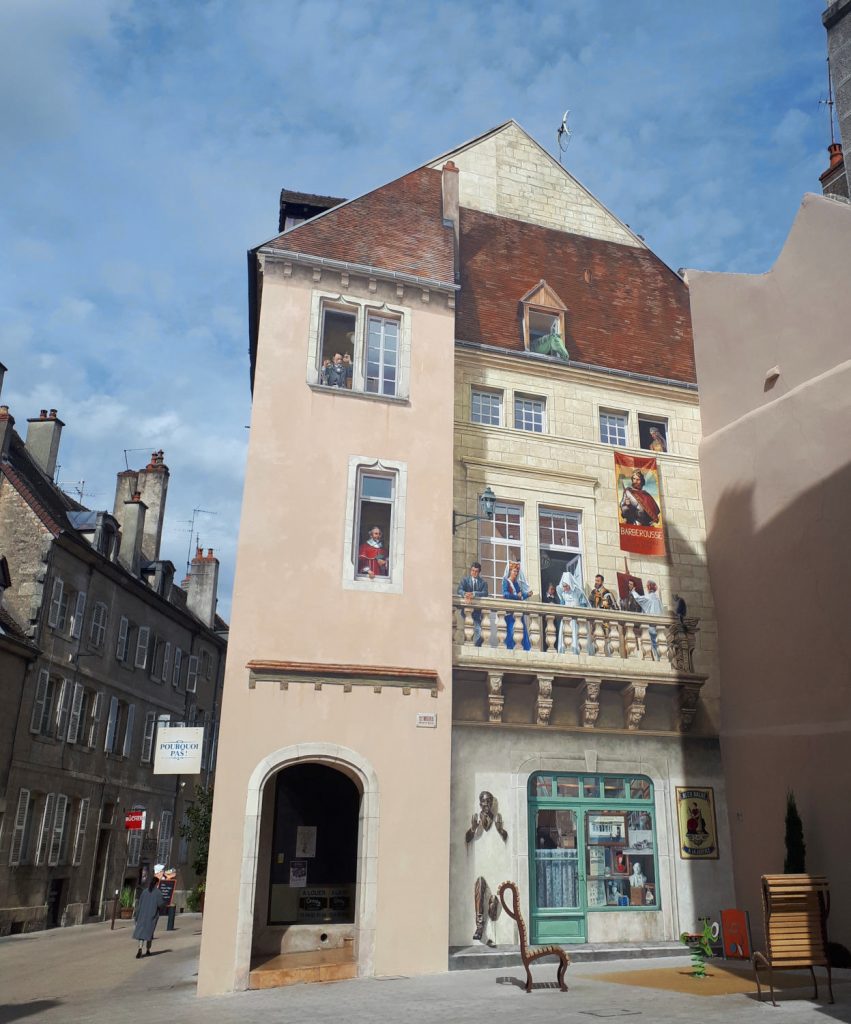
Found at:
(557, 897)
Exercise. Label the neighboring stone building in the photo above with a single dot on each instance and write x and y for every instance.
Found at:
(116, 650)
(837, 20)
(772, 360)
(370, 712)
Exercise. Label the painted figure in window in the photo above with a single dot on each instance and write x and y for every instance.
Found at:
(337, 373)
(551, 344)
(637, 878)
(372, 554)
(515, 588)
(470, 587)
(657, 441)
(571, 595)
(602, 597)
(551, 596)
(637, 506)
(651, 604)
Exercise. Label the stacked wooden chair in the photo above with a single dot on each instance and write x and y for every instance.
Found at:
(530, 954)
(795, 908)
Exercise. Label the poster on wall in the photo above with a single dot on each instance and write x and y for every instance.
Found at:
(639, 499)
(305, 841)
(696, 823)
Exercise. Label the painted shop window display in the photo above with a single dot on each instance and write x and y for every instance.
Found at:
(374, 521)
(592, 848)
(653, 434)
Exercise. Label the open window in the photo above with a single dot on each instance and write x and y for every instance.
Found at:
(374, 553)
(543, 321)
(337, 347)
(374, 524)
(653, 433)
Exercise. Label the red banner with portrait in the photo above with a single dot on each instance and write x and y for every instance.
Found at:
(639, 499)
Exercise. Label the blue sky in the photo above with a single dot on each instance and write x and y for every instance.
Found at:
(145, 144)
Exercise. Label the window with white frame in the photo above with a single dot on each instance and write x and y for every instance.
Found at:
(142, 641)
(57, 854)
(97, 630)
(119, 728)
(613, 428)
(58, 605)
(77, 712)
(529, 413)
(80, 832)
(337, 346)
(45, 829)
(94, 723)
(192, 674)
(79, 615)
(166, 661)
(486, 407)
(175, 672)
(560, 539)
(500, 542)
(374, 524)
(148, 736)
(134, 842)
(382, 355)
(121, 646)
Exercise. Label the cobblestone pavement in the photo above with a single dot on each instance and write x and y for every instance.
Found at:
(88, 975)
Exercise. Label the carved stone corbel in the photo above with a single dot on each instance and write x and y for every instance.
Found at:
(496, 700)
(589, 703)
(544, 704)
(633, 705)
(689, 697)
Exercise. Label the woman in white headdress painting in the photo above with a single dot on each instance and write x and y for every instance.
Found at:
(571, 594)
(515, 588)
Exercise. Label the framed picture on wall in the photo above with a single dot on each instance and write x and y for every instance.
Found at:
(698, 833)
(597, 893)
(606, 828)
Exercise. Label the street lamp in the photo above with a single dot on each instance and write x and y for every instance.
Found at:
(487, 501)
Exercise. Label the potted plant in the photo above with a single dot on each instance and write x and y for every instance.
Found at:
(125, 903)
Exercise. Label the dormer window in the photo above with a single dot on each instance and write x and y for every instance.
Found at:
(543, 315)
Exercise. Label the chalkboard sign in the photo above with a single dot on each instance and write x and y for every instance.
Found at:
(167, 889)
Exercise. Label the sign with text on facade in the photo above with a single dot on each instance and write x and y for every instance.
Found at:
(178, 751)
(640, 522)
(426, 719)
(134, 820)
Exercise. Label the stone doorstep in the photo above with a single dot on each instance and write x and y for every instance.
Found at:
(303, 968)
(476, 958)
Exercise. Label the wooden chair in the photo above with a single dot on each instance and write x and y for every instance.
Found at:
(527, 953)
(795, 908)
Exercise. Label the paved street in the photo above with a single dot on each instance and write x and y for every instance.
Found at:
(89, 974)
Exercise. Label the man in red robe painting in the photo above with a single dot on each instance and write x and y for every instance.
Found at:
(637, 506)
(372, 554)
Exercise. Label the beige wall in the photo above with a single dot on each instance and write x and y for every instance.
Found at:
(777, 486)
(290, 605)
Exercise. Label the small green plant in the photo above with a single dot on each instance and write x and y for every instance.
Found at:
(700, 947)
(194, 897)
(126, 900)
(796, 849)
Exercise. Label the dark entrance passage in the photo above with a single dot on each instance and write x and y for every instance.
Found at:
(313, 866)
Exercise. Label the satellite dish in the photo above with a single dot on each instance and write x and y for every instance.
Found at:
(563, 135)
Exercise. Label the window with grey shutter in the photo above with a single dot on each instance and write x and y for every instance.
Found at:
(63, 707)
(17, 853)
(164, 838)
(80, 834)
(148, 737)
(128, 731)
(41, 695)
(134, 844)
(97, 710)
(79, 615)
(142, 647)
(76, 708)
(55, 611)
(46, 829)
(175, 674)
(111, 722)
(57, 839)
(166, 661)
(192, 675)
(97, 631)
(121, 646)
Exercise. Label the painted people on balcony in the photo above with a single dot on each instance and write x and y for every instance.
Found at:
(602, 597)
(571, 595)
(337, 374)
(515, 588)
(551, 597)
(657, 441)
(650, 604)
(637, 506)
(372, 555)
(471, 587)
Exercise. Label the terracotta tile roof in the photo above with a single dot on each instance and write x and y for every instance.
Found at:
(626, 309)
(10, 628)
(397, 227)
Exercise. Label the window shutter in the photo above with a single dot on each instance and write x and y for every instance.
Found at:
(55, 603)
(63, 707)
(164, 838)
(59, 818)
(79, 614)
(74, 720)
(192, 675)
(40, 699)
(111, 722)
(46, 826)
(142, 647)
(128, 732)
(16, 850)
(96, 713)
(166, 660)
(80, 835)
(148, 738)
(121, 646)
(134, 846)
(175, 675)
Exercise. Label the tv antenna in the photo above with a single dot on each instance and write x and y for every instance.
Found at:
(829, 103)
(563, 136)
(195, 513)
(147, 448)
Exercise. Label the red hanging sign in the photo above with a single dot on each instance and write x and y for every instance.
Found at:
(134, 820)
(639, 498)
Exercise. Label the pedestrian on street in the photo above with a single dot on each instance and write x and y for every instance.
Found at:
(148, 908)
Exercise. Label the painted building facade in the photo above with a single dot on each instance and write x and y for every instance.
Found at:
(407, 361)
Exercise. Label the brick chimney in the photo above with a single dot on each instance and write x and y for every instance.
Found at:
(201, 585)
(152, 484)
(449, 179)
(43, 433)
(7, 423)
(833, 180)
(132, 532)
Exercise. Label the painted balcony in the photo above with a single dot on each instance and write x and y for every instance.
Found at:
(583, 653)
